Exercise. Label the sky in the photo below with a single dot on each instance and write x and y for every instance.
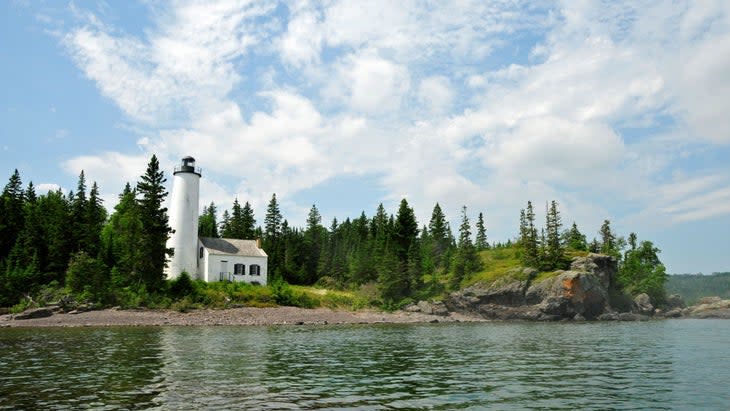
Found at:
(617, 110)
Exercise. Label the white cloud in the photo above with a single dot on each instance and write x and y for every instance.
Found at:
(436, 93)
(369, 83)
(269, 104)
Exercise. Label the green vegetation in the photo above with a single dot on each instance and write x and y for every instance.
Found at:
(692, 287)
(68, 244)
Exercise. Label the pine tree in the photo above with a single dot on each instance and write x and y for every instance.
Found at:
(574, 239)
(439, 232)
(207, 225)
(608, 239)
(234, 228)
(467, 261)
(313, 238)
(528, 238)
(11, 214)
(225, 223)
(555, 254)
(79, 205)
(272, 238)
(94, 219)
(248, 221)
(481, 236)
(153, 252)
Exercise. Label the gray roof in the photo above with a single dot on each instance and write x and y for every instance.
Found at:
(232, 246)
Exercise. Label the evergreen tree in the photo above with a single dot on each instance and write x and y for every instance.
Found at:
(528, 238)
(11, 214)
(235, 228)
(207, 224)
(481, 238)
(55, 210)
(609, 244)
(396, 282)
(272, 222)
(313, 238)
(272, 238)
(94, 219)
(79, 206)
(153, 252)
(225, 223)
(555, 254)
(467, 261)
(440, 236)
(643, 272)
(574, 239)
(248, 222)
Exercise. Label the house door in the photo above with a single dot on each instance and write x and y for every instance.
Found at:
(224, 271)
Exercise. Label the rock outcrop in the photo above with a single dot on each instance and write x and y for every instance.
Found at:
(709, 307)
(579, 293)
(34, 313)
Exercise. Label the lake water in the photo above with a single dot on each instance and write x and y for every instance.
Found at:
(673, 364)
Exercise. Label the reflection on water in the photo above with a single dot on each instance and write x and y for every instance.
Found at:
(658, 365)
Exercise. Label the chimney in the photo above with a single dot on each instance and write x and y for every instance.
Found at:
(258, 243)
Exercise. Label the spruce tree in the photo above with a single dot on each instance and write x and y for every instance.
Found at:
(528, 238)
(574, 239)
(467, 261)
(608, 239)
(481, 236)
(272, 238)
(555, 254)
(11, 214)
(248, 221)
(207, 224)
(439, 233)
(153, 216)
(94, 219)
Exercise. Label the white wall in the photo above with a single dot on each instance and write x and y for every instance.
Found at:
(211, 264)
(184, 222)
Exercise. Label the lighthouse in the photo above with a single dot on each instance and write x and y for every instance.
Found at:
(184, 220)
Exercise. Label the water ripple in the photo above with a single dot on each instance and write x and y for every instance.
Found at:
(659, 365)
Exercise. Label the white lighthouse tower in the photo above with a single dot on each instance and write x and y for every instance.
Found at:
(184, 219)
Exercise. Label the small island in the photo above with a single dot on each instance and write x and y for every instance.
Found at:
(62, 256)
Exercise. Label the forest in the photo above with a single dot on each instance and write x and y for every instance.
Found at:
(692, 287)
(69, 245)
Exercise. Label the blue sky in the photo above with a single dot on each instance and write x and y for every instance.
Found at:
(618, 111)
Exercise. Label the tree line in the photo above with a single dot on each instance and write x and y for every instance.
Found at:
(68, 241)
(388, 250)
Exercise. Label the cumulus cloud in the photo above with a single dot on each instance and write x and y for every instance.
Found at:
(487, 104)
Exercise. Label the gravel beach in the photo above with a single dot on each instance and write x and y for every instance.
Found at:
(231, 316)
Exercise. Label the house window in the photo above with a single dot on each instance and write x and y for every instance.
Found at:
(201, 253)
(239, 269)
(255, 269)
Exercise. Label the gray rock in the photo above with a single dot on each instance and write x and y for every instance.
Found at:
(34, 313)
(632, 317)
(673, 313)
(412, 308)
(710, 307)
(579, 317)
(611, 316)
(675, 301)
(642, 304)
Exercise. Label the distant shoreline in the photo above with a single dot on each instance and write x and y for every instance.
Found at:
(231, 316)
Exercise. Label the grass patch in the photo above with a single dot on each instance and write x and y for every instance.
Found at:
(497, 263)
(545, 275)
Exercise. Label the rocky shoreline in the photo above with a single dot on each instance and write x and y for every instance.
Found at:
(42, 317)
(584, 292)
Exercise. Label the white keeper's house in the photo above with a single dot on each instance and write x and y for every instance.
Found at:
(206, 258)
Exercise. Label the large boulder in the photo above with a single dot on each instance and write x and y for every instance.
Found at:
(579, 293)
(571, 293)
(710, 307)
(34, 313)
(643, 305)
